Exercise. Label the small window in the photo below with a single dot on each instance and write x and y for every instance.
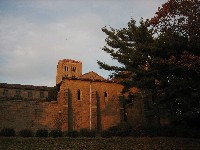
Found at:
(74, 69)
(79, 95)
(66, 68)
(30, 94)
(5, 92)
(18, 92)
(41, 94)
(105, 96)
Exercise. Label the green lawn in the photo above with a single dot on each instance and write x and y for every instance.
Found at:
(144, 143)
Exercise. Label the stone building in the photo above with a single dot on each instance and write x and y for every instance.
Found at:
(26, 92)
(93, 100)
(84, 101)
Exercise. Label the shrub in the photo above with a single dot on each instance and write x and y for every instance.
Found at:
(137, 132)
(124, 129)
(55, 133)
(87, 133)
(8, 132)
(152, 131)
(26, 133)
(73, 134)
(42, 133)
(112, 131)
(106, 134)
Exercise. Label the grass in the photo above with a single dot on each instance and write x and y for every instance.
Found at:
(143, 143)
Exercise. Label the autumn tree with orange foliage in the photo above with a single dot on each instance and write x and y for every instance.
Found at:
(177, 24)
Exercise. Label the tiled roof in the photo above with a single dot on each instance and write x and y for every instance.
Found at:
(92, 76)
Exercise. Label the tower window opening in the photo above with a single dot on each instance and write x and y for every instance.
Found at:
(66, 68)
(79, 95)
(74, 69)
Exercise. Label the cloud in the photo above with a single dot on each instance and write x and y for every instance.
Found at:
(34, 35)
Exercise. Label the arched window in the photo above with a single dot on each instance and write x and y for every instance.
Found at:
(79, 94)
(105, 96)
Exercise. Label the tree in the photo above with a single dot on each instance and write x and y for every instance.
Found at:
(180, 16)
(177, 24)
(131, 47)
(166, 65)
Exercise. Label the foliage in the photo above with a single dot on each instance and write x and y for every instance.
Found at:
(180, 16)
(55, 133)
(166, 64)
(109, 132)
(7, 132)
(131, 47)
(26, 133)
(41, 133)
(99, 126)
(87, 133)
(72, 134)
(70, 111)
(177, 23)
(121, 130)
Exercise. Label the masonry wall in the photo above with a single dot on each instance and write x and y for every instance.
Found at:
(36, 94)
(109, 105)
(32, 115)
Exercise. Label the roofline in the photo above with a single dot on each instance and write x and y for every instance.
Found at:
(25, 87)
(91, 80)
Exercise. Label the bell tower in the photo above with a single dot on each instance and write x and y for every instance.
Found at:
(68, 68)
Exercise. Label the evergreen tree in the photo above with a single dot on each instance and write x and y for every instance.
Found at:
(132, 48)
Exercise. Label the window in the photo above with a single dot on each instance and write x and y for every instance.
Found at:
(74, 69)
(17, 94)
(41, 94)
(30, 94)
(66, 68)
(5, 92)
(105, 96)
(79, 95)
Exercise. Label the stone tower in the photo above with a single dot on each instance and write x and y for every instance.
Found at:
(68, 68)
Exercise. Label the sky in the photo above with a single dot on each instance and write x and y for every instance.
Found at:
(36, 34)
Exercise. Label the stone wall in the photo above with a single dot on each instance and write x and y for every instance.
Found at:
(95, 104)
(32, 115)
(17, 91)
(84, 112)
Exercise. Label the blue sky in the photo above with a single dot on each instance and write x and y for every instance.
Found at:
(35, 34)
